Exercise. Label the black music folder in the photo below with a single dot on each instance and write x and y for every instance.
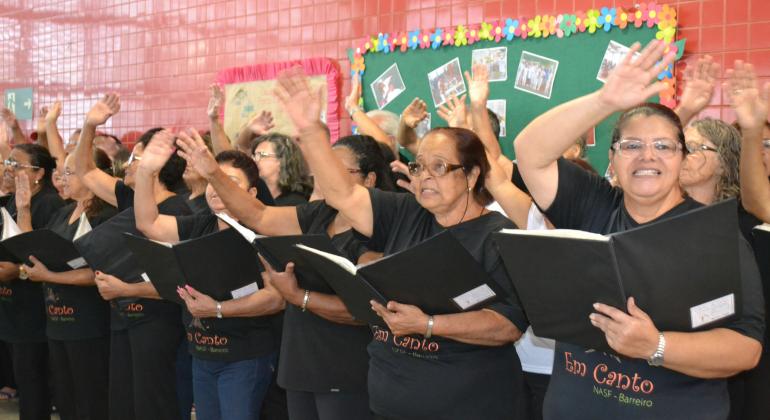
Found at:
(281, 250)
(104, 250)
(438, 275)
(683, 272)
(222, 265)
(57, 253)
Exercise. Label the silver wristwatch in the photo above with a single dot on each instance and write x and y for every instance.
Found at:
(657, 358)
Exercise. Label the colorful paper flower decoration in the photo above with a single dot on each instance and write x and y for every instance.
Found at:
(534, 26)
(580, 21)
(449, 37)
(425, 40)
(499, 31)
(473, 35)
(621, 17)
(382, 43)
(403, 41)
(637, 17)
(510, 28)
(485, 34)
(548, 26)
(414, 39)
(650, 12)
(568, 25)
(436, 38)
(357, 66)
(592, 20)
(523, 30)
(668, 72)
(461, 37)
(607, 18)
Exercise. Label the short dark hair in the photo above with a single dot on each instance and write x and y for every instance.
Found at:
(650, 109)
(39, 156)
(171, 173)
(243, 162)
(494, 121)
(471, 154)
(370, 158)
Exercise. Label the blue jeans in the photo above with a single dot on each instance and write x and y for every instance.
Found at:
(231, 390)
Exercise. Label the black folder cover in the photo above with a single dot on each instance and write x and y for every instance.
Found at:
(429, 275)
(104, 248)
(281, 250)
(57, 253)
(214, 264)
(669, 267)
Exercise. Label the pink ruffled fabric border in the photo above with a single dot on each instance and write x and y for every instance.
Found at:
(312, 66)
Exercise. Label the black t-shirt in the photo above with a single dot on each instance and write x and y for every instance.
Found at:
(198, 205)
(75, 312)
(319, 355)
(587, 384)
(226, 339)
(290, 199)
(410, 377)
(22, 310)
(130, 311)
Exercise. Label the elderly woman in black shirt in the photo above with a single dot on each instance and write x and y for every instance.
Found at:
(466, 367)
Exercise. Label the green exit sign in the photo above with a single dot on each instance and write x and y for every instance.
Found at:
(20, 102)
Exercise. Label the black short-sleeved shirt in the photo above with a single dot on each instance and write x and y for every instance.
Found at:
(22, 310)
(226, 339)
(587, 384)
(198, 205)
(319, 355)
(290, 199)
(130, 311)
(410, 377)
(75, 312)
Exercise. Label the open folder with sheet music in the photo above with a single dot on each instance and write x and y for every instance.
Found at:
(683, 272)
(438, 275)
(56, 252)
(222, 265)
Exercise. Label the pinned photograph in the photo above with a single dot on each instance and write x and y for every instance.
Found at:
(496, 60)
(446, 81)
(498, 107)
(423, 127)
(388, 86)
(612, 57)
(536, 74)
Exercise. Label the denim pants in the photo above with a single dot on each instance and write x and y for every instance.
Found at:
(231, 390)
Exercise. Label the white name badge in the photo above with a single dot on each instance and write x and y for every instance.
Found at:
(145, 277)
(245, 290)
(78, 262)
(474, 296)
(713, 310)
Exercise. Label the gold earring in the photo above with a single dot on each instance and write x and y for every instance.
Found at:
(37, 181)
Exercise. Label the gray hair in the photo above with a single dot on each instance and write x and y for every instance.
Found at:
(386, 120)
(727, 140)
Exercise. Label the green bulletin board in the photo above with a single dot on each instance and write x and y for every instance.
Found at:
(579, 60)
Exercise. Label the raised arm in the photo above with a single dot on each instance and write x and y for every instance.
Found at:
(340, 191)
(5, 146)
(454, 112)
(413, 114)
(23, 197)
(10, 120)
(267, 220)
(100, 183)
(750, 103)
(699, 82)
(365, 124)
(628, 85)
(55, 143)
(149, 221)
(259, 125)
(219, 140)
(42, 138)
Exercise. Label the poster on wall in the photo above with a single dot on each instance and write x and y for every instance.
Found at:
(496, 60)
(445, 82)
(536, 74)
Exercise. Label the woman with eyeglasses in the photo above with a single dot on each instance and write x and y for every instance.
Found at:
(323, 361)
(78, 326)
(658, 374)
(464, 366)
(22, 308)
(282, 167)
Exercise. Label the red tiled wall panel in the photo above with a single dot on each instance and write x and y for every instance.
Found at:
(160, 55)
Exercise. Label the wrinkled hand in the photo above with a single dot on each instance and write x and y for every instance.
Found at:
(302, 104)
(8, 271)
(415, 112)
(402, 319)
(262, 123)
(103, 110)
(746, 98)
(478, 85)
(200, 305)
(454, 112)
(354, 98)
(193, 149)
(54, 112)
(631, 82)
(285, 282)
(37, 271)
(8, 116)
(158, 152)
(699, 83)
(215, 101)
(632, 334)
(399, 167)
(23, 194)
(109, 286)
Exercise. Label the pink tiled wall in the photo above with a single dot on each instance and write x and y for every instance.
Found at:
(160, 55)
